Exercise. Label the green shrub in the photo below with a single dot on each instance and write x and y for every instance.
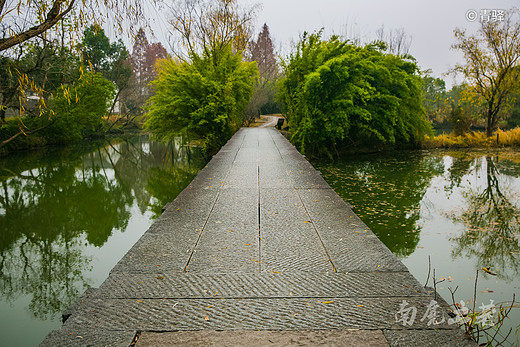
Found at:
(78, 110)
(203, 99)
(337, 94)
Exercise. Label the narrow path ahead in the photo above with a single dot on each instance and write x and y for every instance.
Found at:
(258, 241)
(271, 122)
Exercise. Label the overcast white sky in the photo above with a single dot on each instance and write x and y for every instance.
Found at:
(430, 23)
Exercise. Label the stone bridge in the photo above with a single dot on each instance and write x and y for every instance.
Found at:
(258, 250)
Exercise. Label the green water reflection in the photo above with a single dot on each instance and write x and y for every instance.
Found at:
(58, 209)
(386, 193)
(491, 220)
(461, 209)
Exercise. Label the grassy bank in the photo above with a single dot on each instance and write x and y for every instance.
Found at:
(58, 135)
(509, 138)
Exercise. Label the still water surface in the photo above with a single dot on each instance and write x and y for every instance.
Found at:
(67, 216)
(461, 209)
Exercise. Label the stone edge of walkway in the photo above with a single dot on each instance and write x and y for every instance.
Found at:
(73, 334)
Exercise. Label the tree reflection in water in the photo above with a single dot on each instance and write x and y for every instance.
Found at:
(55, 203)
(491, 219)
(386, 192)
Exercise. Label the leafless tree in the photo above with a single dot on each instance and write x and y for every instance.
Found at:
(397, 41)
(204, 26)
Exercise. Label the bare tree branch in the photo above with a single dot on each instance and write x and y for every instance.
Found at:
(54, 15)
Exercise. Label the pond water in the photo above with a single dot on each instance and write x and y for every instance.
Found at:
(458, 210)
(67, 216)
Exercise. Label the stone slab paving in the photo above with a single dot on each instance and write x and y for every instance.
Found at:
(265, 338)
(257, 250)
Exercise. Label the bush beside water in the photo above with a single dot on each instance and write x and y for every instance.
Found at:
(475, 139)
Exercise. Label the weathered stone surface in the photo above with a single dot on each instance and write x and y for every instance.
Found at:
(347, 239)
(289, 240)
(428, 338)
(242, 176)
(258, 240)
(358, 338)
(248, 314)
(88, 337)
(274, 175)
(262, 285)
(229, 241)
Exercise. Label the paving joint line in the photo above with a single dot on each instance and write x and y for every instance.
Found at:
(259, 226)
(307, 211)
(212, 208)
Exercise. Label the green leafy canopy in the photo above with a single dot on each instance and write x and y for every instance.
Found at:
(203, 98)
(336, 94)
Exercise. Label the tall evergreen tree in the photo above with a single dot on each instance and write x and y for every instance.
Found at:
(262, 52)
(143, 58)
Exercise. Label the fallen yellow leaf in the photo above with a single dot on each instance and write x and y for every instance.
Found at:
(360, 305)
(139, 300)
(489, 271)
(206, 318)
(325, 302)
(160, 277)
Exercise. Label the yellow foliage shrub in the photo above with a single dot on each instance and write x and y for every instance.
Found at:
(475, 139)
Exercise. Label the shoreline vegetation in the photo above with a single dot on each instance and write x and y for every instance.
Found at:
(472, 139)
(475, 139)
(40, 140)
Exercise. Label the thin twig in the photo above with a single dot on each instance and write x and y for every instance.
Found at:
(429, 270)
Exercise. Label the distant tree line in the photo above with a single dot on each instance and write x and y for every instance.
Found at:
(489, 96)
(57, 93)
(335, 93)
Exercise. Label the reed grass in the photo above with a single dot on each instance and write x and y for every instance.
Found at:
(500, 138)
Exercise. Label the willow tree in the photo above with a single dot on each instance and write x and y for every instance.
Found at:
(22, 22)
(491, 67)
